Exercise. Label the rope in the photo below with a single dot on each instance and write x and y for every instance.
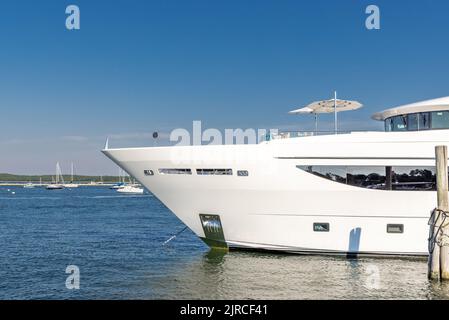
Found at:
(438, 236)
(174, 236)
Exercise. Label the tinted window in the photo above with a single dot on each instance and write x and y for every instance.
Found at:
(395, 228)
(399, 123)
(440, 119)
(402, 178)
(366, 177)
(321, 227)
(242, 173)
(334, 173)
(388, 124)
(219, 172)
(175, 171)
(412, 121)
(424, 120)
(409, 178)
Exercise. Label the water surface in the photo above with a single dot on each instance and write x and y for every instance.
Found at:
(117, 243)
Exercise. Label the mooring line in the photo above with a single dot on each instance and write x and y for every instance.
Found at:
(174, 236)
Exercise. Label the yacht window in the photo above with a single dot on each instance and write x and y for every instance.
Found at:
(395, 228)
(440, 119)
(424, 121)
(219, 172)
(388, 125)
(415, 121)
(399, 123)
(148, 172)
(242, 173)
(321, 227)
(175, 171)
(412, 121)
(378, 177)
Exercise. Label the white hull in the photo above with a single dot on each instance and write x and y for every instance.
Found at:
(130, 190)
(71, 185)
(276, 205)
(54, 187)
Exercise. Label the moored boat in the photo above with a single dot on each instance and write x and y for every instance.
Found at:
(341, 193)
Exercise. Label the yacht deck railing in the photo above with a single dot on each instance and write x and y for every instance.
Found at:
(297, 134)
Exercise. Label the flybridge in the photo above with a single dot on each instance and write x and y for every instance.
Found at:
(425, 115)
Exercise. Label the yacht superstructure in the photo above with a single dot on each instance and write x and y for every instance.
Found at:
(355, 193)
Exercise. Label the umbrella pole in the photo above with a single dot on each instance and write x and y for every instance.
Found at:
(335, 112)
(316, 123)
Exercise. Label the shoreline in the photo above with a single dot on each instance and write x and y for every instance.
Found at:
(44, 184)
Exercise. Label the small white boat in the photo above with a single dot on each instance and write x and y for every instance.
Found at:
(54, 186)
(130, 190)
(28, 185)
(71, 185)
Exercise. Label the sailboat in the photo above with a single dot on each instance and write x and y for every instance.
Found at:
(58, 178)
(71, 184)
(131, 188)
(120, 184)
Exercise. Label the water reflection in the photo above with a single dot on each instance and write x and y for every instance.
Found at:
(250, 275)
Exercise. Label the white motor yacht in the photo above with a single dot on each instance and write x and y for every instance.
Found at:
(353, 193)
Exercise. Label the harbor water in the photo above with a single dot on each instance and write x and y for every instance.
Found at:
(117, 243)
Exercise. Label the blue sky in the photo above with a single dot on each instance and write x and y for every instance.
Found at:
(140, 66)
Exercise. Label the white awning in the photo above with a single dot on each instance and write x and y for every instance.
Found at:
(440, 104)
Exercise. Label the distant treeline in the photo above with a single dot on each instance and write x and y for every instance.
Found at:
(6, 177)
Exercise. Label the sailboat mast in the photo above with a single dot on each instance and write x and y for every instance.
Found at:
(335, 112)
(57, 173)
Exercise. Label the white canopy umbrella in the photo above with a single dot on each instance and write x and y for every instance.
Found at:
(328, 106)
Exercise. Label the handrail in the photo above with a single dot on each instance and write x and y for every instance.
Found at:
(285, 134)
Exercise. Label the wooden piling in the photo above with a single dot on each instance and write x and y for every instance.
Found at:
(439, 258)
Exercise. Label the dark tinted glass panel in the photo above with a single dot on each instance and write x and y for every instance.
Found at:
(440, 119)
(402, 178)
(219, 172)
(424, 121)
(412, 121)
(175, 171)
(388, 124)
(321, 227)
(395, 228)
(409, 178)
(399, 123)
(366, 177)
(334, 173)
